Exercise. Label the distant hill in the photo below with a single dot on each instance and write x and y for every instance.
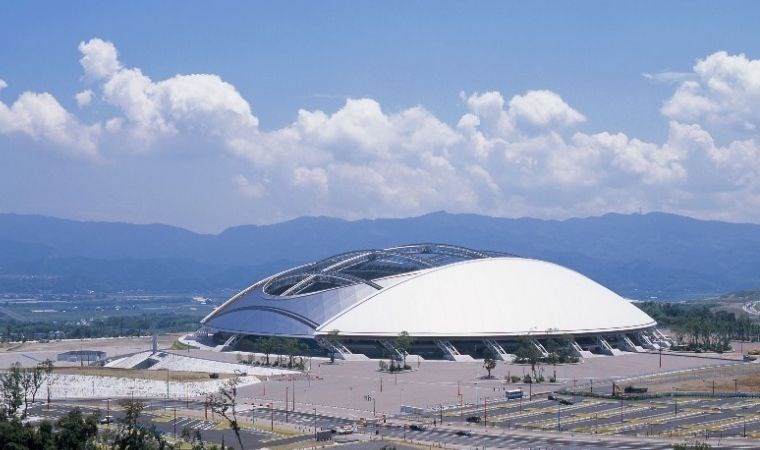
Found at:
(640, 256)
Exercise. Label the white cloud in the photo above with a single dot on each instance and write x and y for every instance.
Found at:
(543, 110)
(247, 188)
(41, 117)
(201, 103)
(3, 84)
(83, 98)
(668, 76)
(99, 59)
(516, 155)
(725, 91)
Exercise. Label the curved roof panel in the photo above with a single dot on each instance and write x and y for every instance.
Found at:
(491, 297)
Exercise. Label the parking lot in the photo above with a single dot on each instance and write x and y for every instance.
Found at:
(668, 417)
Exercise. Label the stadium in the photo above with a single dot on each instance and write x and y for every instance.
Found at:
(454, 302)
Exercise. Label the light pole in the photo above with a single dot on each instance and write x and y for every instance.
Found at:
(315, 424)
(559, 423)
(661, 357)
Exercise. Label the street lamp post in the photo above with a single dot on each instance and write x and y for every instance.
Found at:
(315, 424)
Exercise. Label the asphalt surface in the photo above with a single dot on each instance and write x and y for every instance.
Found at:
(513, 424)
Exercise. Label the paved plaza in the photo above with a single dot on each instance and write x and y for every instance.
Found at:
(354, 388)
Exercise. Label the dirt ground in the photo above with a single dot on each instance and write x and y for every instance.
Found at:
(742, 378)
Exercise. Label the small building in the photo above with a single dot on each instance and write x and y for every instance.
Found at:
(82, 356)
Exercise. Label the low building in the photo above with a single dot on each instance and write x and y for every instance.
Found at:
(82, 356)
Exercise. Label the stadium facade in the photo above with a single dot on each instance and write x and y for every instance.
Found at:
(453, 301)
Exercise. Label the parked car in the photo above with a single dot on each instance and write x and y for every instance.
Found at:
(416, 427)
(463, 433)
(473, 419)
(565, 401)
(551, 397)
(107, 419)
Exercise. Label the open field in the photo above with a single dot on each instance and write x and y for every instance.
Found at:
(63, 307)
(726, 379)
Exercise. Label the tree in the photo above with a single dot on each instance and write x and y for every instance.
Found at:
(224, 403)
(332, 338)
(11, 391)
(76, 432)
(268, 344)
(131, 435)
(527, 352)
(404, 344)
(489, 360)
(291, 347)
(32, 379)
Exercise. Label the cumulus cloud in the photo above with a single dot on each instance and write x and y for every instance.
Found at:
(248, 188)
(83, 98)
(184, 103)
(41, 117)
(99, 59)
(518, 155)
(725, 91)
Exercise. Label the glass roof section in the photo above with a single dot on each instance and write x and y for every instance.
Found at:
(364, 266)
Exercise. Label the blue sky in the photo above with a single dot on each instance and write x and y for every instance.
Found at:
(555, 110)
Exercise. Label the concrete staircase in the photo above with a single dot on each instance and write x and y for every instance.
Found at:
(450, 352)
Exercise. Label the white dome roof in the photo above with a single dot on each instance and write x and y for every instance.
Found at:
(503, 296)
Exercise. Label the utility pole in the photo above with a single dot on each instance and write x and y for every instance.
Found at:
(175, 423)
(315, 424)
(286, 404)
(485, 411)
(271, 411)
(559, 423)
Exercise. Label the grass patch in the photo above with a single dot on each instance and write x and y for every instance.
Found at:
(177, 345)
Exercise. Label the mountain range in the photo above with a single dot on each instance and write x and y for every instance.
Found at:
(638, 255)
